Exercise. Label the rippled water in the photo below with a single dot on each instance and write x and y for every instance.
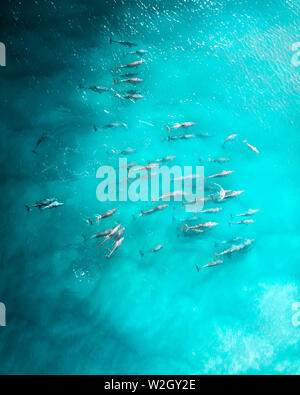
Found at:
(226, 65)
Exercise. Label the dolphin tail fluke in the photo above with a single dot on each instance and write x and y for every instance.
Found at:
(232, 216)
(198, 268)
(115, 82)
(84, 237)
(35, 152)
(168, 129)
(111, 41)
(217, 255)
(229, 223)
(117, 68)
(186, 228)
(141, 253)
(212, 198)
(28, 208)
(244, 141)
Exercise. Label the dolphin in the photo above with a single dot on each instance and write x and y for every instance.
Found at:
(119, 235)
(254, 149)
(52, 205)
(211, 210)
(232, 194)
(98, 89)
(216, 160)
(150, 166)
(40, 205)
(182, 137)
(235, 248)
(166, 159)
(111, 234)
(206, 225)
(130, 65)
(116, 246)
(230, 138)
(244, 222)
(139, 52)
(124, 43)
(169, 195)
(102, 234)
(43, 138)
(211, 264)
(223, 173)
(115, 125)
(108, 213)
(246, 214)
(134, 97)
(180, 125)
(154, 210)
(133, 81)
(153, 250)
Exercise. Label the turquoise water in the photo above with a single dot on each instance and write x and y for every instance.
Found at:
(226, 65)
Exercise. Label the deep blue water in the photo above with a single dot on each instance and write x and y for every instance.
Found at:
(225, 65)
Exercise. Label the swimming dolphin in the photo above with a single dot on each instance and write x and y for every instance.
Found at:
(166, 159)
(111, 234)
(169, 195)
(182, 137)
(150, 166)
(128, 151)
(153, 250)
(133, 81)
(180, 125)
(133, 97)
(246, 214)
(139, 52)
(211, 264)
(206, 225)
(232, 194)
(115, 125)
(108, 213)
(102, 234)
(43, 138)
(116, 246)
(211, 210)
(98, 89)
(125, 43)
(154, 210)
(254, 149)
(230, 138)
(52, 205)
(130, 65)
(235, 248)
(244, 222)
(223, 173)
(43, 204)
(119, 234)
(217, 160)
